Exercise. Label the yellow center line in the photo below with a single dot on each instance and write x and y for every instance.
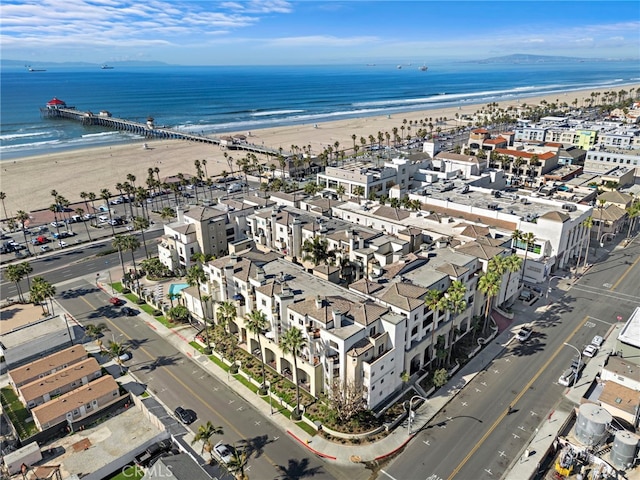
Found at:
(522, 392)
(615, 285)
(186, 387)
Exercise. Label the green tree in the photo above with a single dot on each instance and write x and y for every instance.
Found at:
(154, 268)
(195, 278)
(80, 212)
(238, 463)
(489, 284)
(340, 191)
(512, 264)
(22, 217)
(292, 342)
(358, 191)
(167, 213)
(94, 331)
(588, 224)
(204, 434)
(141, 223)
(256, 323)
(120, 243)
(3, 196)
(13, 273)
(226, 313)
(633, 211)
(440, 377)
(316, 250)
(455, 303)
(40, 292)
(115, 350)
(179, 313)
(432, 302)
(105, 194)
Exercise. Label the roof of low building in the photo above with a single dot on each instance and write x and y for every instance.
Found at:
(45, 365)
(619, 396)
(556, 216)
(391, 213)
(480, 250)
(37, 388)
(615, 196)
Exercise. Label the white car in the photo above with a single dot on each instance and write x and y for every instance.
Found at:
(567, 378)
(590, 351)
(223, 452)
(125, 356)
(62, 243)
(57, 224)
(597, 341)
(524, 334)
(44, 248)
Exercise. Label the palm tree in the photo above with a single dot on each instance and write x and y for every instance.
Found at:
(340, 190)
(588, 224)
(358, 191)
(166, 213)
(40, 292)
(293, 342)
(26, 269)
(141, 223)
(512, 264)
(204, 434)
(92, 198)
(80, 212)
(432, 301)
(601, 202)
(3, 196)
(120, 243)
(455, 303)
(489, 284)
(94, 332)
(132, 244)
(633, 211)
(22, 217)
(105, 194)
(115, 350)
(226, 313)
(195, 278)
(316, 251)
(238, 463)
(13, 273)
(256, 323)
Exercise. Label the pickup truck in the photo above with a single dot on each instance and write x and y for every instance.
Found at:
(524, 334)
(152, 452)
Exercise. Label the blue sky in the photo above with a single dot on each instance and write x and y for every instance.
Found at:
(204, 32)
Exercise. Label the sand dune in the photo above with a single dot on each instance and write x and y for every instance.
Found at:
(28, 182)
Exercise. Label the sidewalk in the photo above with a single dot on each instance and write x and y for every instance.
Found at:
(337, 452)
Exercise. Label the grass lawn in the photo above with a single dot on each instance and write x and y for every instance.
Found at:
(18, 413)
(129, 473)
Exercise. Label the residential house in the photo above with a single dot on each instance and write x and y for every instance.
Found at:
(48, 365)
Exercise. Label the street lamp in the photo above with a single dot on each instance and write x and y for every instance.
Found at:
(579, 363)
(411, 412)
(113, 292)
(603, 236)
(549, 284)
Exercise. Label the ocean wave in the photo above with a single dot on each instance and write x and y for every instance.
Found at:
(101, 134)
(275, 112)
(30, 145)
(14, 136)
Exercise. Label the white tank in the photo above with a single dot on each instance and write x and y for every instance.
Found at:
(624, 449)
(591, 426)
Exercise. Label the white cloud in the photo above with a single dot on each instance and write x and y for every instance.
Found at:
(320, 41)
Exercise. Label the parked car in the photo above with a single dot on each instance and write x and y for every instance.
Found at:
(589, 351)
(146, 458)
(186, 416)
(44, 248)
(524, 334)
(62, 244)
(57, 224)
(129, 312)
(223, 452)
(116, 301)
(568, 377)
(597, 341)
(125, 356)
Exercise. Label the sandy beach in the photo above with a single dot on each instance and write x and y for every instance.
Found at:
(28, 182)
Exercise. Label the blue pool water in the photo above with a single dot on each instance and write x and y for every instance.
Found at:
(175, 288)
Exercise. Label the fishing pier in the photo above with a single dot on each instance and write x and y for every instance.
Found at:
(56, 108)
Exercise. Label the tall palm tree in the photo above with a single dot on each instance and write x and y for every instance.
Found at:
(115, 350)
(40, 292)
(226, 313)
(132, 244)
(94, 332)
(141, 223)
(26, 269)
(105, 194)
(256, 323)
(204, 434)
(120, 243)
(512, 264)
(292, 342)
(195, 278)
(358, 191)
(601, 202)
(633, 211)
(22, 217)
(3, 196)
(13, 273)
(432, 301)
(92, 198)
(80, 212)
(588, 224)
(489, 284)
(455, 303)
(166, 213)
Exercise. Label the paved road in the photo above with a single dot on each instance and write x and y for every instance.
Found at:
(177, 380)
(475, 437)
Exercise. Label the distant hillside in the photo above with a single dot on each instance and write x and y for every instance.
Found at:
(522, 58)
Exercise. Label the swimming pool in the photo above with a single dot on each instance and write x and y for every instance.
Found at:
(175, 288)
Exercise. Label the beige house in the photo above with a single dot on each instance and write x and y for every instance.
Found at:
(44, 389)
(47, 365)
(77, 404)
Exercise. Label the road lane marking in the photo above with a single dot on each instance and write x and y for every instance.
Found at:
(513, 403)
(615, 285)
(187, 388)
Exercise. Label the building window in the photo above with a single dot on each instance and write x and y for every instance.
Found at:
(76, 413)
(264, 302)
(380, 352)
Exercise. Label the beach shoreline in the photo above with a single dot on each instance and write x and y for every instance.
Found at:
(28, 181)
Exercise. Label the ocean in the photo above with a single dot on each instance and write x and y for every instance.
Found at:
(215, 100)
